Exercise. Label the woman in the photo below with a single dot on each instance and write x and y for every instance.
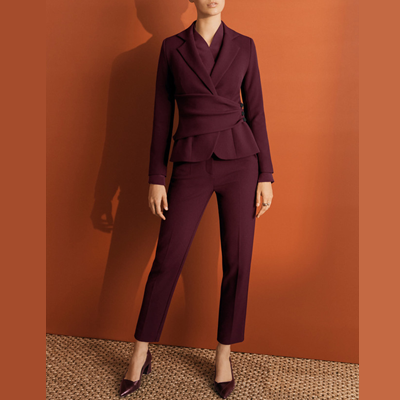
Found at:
(218, 146)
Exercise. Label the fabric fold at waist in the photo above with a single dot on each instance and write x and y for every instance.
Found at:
(206, 113)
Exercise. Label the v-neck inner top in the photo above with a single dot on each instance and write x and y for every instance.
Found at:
(209, 54)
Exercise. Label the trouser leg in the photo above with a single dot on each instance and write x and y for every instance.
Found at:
(187, 199)
(236, 196)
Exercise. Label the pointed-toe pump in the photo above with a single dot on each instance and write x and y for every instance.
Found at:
(128, 386)
(224, 389)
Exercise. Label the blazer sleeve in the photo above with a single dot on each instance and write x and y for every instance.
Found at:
(254, 113)
(163, 119)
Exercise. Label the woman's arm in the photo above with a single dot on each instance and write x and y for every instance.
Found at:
(164, 107)
(254, 113)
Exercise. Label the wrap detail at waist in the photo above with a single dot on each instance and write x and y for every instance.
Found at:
(206, 113)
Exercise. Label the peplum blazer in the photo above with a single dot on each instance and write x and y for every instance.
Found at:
(212, 116)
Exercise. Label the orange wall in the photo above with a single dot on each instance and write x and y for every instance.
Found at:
(304, 277)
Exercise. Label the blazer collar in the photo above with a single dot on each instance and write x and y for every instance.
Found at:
(225, 58)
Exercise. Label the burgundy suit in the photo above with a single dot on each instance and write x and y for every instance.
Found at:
(212, 120)
(218, 147)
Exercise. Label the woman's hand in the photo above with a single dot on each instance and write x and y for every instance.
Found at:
(264, 189)
(158, 200)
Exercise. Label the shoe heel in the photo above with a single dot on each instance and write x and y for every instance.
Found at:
(147, 370)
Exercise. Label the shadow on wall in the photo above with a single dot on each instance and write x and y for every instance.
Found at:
(124, 166)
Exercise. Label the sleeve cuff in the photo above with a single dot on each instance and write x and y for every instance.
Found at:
(157, 179)
(265, 177)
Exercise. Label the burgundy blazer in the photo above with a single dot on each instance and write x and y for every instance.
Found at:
(209, 105)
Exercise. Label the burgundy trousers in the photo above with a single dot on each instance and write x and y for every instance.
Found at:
(190, 188)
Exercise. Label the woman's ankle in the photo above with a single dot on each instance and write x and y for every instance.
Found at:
(223, 349)
(141, 347)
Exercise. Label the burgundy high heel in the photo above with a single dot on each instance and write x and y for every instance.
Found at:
(224, 389)
(128, 386)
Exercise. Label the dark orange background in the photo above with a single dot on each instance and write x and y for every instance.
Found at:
(303, 299)
(23, 253)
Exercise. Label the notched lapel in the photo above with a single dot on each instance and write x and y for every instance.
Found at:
(225, 58)
(226, 55)
(191, 56)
